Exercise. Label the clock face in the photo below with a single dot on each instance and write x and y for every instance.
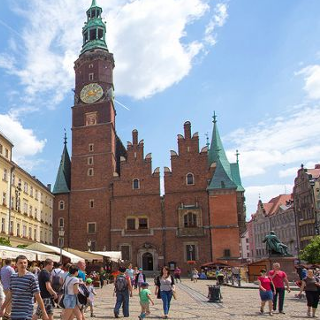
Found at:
(91, 93)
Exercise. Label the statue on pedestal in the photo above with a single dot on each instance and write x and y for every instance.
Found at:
(275, 246)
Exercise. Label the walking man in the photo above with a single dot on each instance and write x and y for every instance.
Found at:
(23, 289)
(122, 288)
(5, 274)
(279, 279)
(46, 291)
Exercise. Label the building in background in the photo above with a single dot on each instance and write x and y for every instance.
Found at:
(25, 204)
(107, 196)
(306, 196)
(276, 215)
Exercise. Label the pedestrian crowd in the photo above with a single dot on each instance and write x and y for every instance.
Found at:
(69, 287)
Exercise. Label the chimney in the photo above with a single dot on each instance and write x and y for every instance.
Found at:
(187, 130)
(135, 137)
(49, 186)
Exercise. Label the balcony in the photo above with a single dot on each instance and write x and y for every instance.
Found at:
(137, 232)
(190, 232)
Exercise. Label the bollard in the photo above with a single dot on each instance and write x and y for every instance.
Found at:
(214, 293)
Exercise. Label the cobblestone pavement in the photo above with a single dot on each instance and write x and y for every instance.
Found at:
(237, 303)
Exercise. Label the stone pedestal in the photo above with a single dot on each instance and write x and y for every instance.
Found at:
(286, 265)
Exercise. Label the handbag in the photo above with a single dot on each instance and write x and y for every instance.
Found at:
(174, 294)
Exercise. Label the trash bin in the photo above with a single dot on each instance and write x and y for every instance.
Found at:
(214, 294)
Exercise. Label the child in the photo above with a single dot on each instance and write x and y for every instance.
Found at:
(140, 278)
(145, 299)
(92, 293)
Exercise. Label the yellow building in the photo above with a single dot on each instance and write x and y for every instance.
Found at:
(30, 208)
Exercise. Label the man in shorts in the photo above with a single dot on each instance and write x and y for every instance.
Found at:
(22, 291)
(46, 291)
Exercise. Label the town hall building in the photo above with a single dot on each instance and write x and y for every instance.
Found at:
(107, 195)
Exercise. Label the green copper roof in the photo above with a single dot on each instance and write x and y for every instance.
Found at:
(94, 30)
(63, 180)
(221, 179)
(235, 172)
(228, 173)
(216, 150)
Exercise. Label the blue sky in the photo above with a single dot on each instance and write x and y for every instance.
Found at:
(256, 63)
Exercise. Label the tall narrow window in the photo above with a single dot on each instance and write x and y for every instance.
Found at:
(190, 220)
(61, 222)
(91, 203)
(92, 226)
(143, 223)
(131, 224)
(90, 160)
(91, 147)
(190, 252)
(5, 174)
(135, 184)
(90, 172)
(190, 179)
(61, 205)
(91, 75)
(125, 253)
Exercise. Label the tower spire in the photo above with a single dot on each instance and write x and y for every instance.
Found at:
(216, 150)
(65, 137)
(94, 30)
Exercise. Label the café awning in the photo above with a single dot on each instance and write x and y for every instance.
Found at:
(12, 253)
(52, 249)
(112, 255)
(90, 256)
(41, 256)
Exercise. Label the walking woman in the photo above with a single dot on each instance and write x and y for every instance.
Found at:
(71, 289)
(310, 285)
(165, 283)
(266, 290)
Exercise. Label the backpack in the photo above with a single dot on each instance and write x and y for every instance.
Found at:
(83, 294)
(56, 281)
(121, 284)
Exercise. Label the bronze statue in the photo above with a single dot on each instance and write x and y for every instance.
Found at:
(274, 246)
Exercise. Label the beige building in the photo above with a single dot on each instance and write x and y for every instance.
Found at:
(25, 203)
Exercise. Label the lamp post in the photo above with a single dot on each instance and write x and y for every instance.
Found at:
(61, 240)
(89, 245)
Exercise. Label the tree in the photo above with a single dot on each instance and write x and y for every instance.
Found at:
(311, 253)
(5, 242)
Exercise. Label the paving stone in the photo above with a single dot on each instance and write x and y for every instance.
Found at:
(192, 303)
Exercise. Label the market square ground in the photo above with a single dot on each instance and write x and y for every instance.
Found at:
(238, 303)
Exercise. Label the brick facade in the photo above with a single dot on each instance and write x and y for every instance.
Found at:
(114, 196)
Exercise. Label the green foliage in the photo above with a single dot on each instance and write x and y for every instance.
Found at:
(5, 242)
(22, 246)
(311, 253)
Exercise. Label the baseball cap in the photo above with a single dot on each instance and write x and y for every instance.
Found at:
(140, 269)
(89, 280)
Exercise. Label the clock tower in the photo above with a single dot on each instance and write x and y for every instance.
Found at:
(93, 138)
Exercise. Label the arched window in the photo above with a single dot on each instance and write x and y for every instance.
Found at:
(61, 205)
(190, 179)
(61, 222)
(190, 220)
(135, 184)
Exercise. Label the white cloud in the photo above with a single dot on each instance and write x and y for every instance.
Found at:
(266, 193)
(293, 137)
(290, 172)
(312, 81)
(26, 144)
(218, 20)
(148, 39)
